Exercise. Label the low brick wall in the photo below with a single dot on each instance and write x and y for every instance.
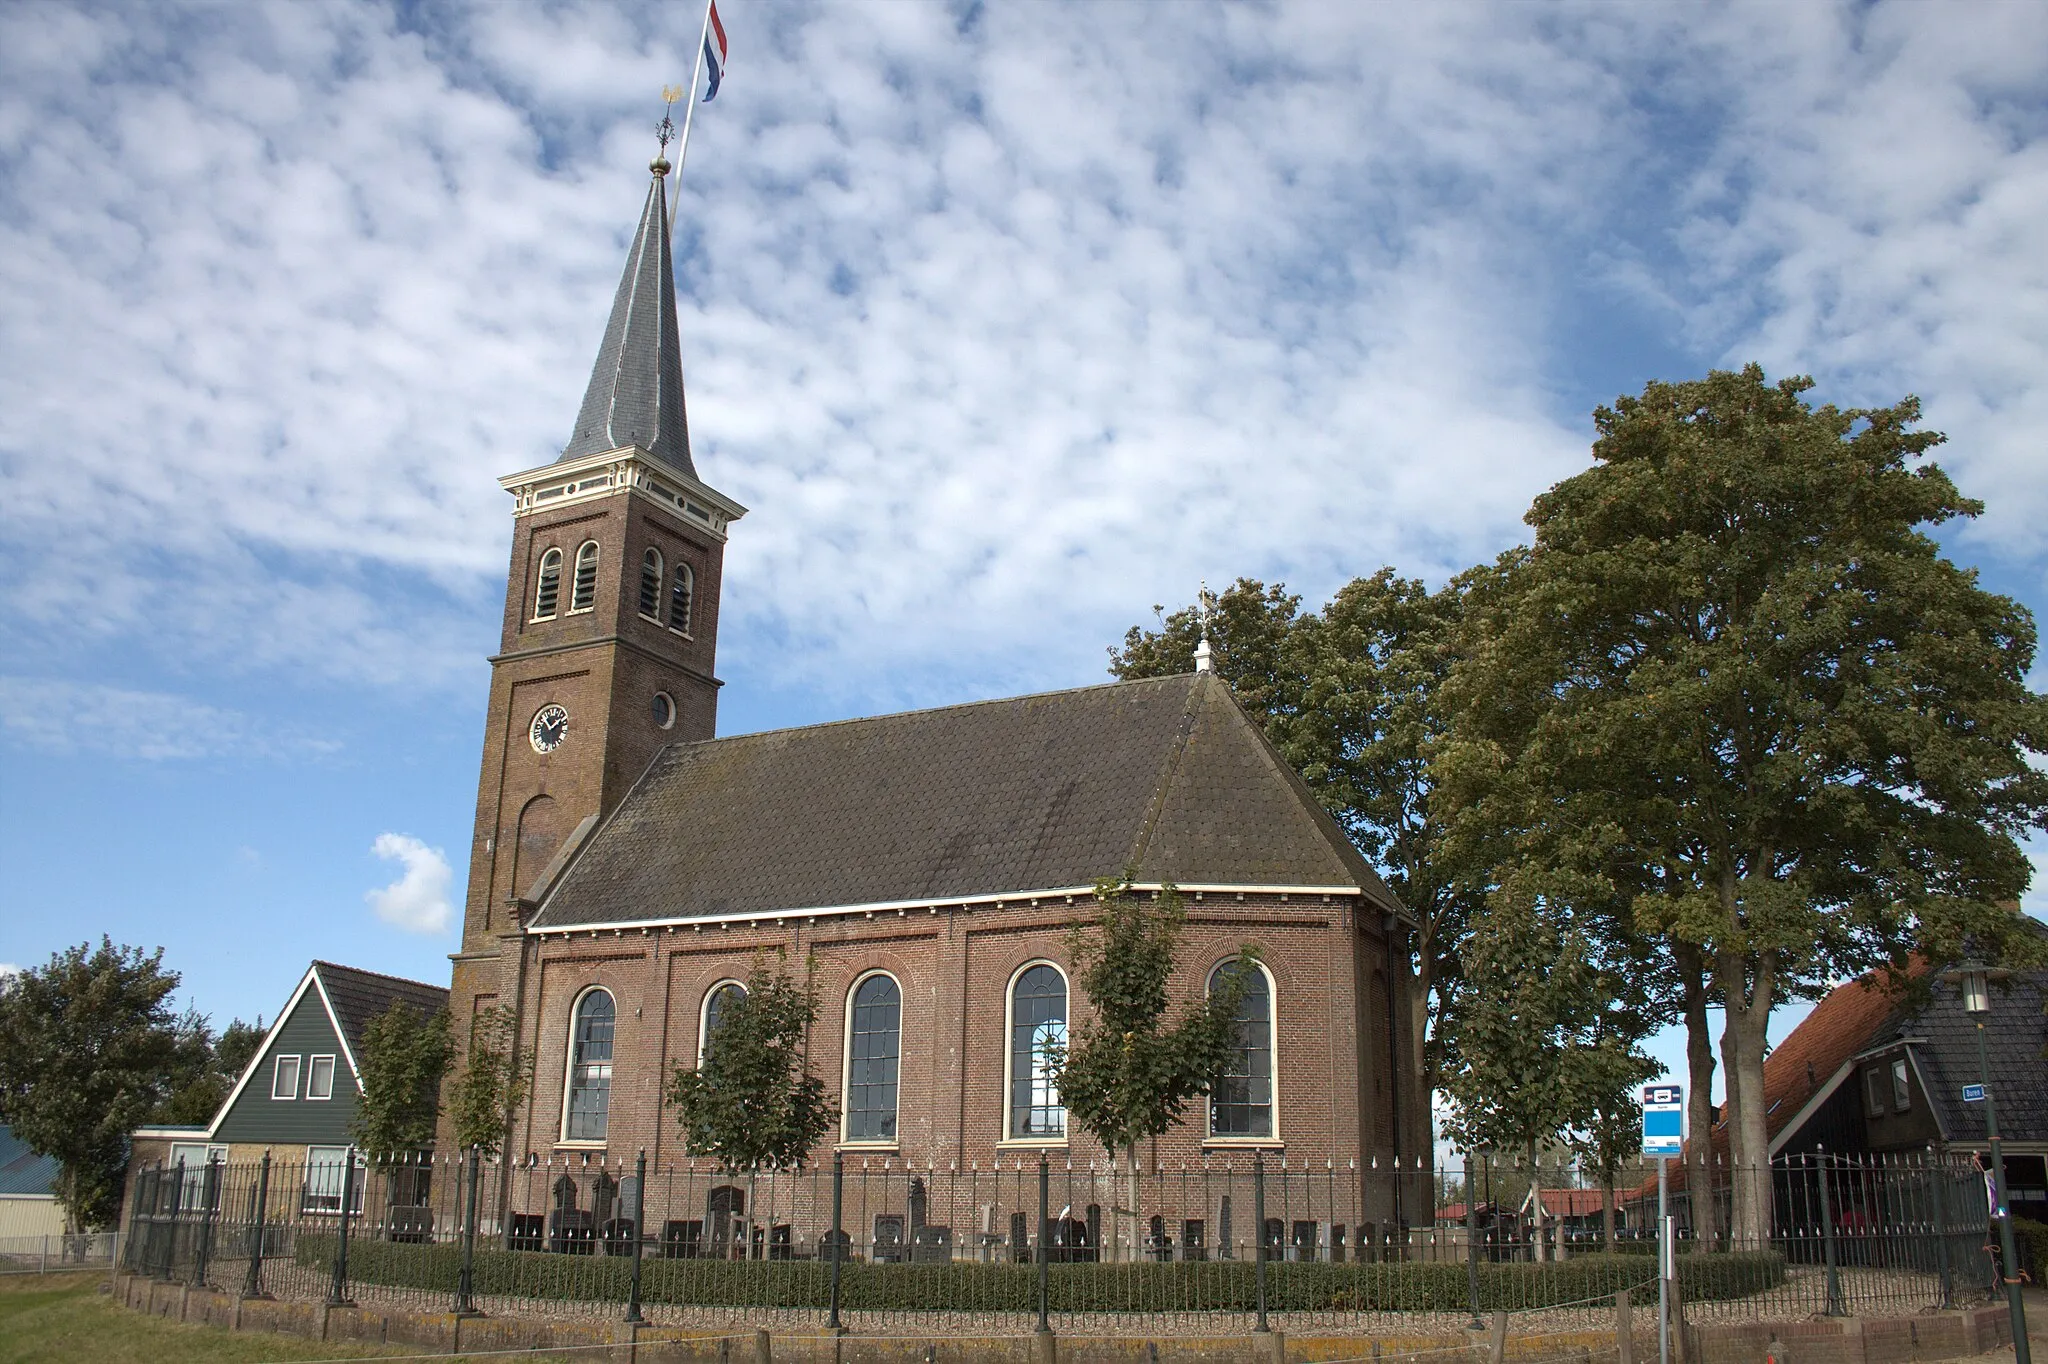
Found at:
(1848, 1340)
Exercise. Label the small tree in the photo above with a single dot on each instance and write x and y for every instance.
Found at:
(404, 1055)
(89, 1051)
(493, 1085)
(753, 1104)
(1130, 1075)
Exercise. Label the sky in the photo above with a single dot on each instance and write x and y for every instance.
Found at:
(1008, 323)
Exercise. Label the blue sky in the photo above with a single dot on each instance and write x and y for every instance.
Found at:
(1007, 322)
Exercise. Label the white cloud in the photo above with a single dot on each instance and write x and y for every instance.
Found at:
(55, 716)
(418, 900)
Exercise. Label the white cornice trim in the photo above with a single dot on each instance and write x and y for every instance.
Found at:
(609, 472)
(340, 1033)
(1023, 899)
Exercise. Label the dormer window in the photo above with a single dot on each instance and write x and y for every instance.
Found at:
(682, 596)
(549, 592)
(650, 584)
(583, 591)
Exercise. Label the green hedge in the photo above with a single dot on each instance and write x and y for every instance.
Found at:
(2033, 1247)
(1218, 1285)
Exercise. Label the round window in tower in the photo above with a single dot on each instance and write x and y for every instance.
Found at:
(664, 710)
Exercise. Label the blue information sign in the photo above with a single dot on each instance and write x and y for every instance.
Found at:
(1663, 1120)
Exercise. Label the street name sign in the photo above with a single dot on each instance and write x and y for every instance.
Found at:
(1973, 1094)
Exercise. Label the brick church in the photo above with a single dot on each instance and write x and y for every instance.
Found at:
(628, 863)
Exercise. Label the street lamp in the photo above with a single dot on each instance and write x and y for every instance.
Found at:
(1974, 979)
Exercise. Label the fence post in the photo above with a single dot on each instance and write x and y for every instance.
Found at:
(1938, 1169)
(259, 1210)
(465, 1283)
(1045, 1239)
(168, 1236)
(838, 1236)
(639, 1235)
(1472, 1245)
(209, 1194)
(335, 1296)
(1259, 1232)
(1624, 1329)
(1827, 1232)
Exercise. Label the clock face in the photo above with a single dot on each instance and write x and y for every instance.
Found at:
(550, 726)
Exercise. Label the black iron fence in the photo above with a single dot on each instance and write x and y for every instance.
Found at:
(876, 1244)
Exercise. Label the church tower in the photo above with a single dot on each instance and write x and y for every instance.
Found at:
(611, 613)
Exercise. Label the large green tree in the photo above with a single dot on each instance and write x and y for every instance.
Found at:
(752, 1102)
(1736, 679)
(90, 1049)
(1350, 696)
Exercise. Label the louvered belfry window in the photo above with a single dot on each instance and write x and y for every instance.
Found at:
(681, 597)
(590, 1068)
(650, 584)
(583, 593)
(549, 593)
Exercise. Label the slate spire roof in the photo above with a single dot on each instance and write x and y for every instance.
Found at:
(1166, 777)
(636, 388)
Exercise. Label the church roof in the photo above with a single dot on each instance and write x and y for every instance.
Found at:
(636, 388)
(1167, 777)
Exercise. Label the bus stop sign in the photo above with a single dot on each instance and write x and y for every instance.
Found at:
(1663, 1120)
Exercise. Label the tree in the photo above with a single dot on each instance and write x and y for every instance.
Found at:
(404, 1055)
(493, 1085)
(1734, 679)
(206, 1067)
(1129, 1075)
(89, 1051)
(1350, 697)
(752, 1103)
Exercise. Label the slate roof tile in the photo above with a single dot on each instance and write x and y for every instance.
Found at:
(359, 996)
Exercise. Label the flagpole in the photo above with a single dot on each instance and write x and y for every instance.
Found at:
(689, 115)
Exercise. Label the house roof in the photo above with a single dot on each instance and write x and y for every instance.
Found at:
(1572, 1202)
(635, 397)
(22, 1171)
(1806, 1062)
(1944, 1042)
(1166, 777)
(357, 996)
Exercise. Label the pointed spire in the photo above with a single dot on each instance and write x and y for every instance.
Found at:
(636, 388)
(1202, 654)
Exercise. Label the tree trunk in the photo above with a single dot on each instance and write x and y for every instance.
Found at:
(1535, 1206)
(1607, 1209)
(1746, 990)
(1418, 1136)
(1699, 1114)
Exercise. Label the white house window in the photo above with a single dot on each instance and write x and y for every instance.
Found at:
(549, 593)
(284, 1081)
(199, 1179)
(650, 584)
(721, 994)
(682, 596)
(320, 1077)
(1902, 1090)
(583, 591)
(1038, 1030)
(590, 1068)
(326, 1172)
(1241, 1105)
(874, 1046)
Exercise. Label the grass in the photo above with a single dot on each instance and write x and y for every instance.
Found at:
(64, 1318)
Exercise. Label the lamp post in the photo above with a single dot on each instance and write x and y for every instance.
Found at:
(1974, 979)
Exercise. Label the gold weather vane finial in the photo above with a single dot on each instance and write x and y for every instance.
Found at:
(666, 129)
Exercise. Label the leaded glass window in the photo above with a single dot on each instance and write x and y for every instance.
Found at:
(1038, 1032)
(714, 1004)
(874, 1048)
(590, 1068)
(1241, 1105)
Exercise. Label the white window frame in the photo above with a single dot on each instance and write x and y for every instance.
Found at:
(576, 577)
(1901, 1085)
(1009, 1054)
(189, 1188)
(1273, 1065)
(323, 1158)
(551, 552)
(846, 1067)
(704, 1009)
(277, 1074)
(660, 581)
(569, 1069)
(312, 1077)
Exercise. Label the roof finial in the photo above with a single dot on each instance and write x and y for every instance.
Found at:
(666, 129)
(1202, 603)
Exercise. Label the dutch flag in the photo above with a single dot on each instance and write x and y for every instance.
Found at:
(714, 50)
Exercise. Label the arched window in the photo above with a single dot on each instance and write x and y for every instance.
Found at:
(1038, 1029)
(590, 1068)
(720, 995)
(550, 590)
(583, 591)
(682, 596)
(1241, 1105)
(874, 1047)
(650, 584)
